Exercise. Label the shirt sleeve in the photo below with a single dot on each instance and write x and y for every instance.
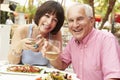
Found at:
(110, 58)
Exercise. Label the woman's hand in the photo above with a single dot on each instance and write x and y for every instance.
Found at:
(27, 44)
(39, 42)
(32, 44)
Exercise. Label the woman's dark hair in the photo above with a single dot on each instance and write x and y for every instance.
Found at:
(54, 8)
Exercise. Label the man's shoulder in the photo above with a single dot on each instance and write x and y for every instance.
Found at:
(101, 33)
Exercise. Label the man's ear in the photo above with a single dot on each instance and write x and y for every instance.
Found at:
(92, 21)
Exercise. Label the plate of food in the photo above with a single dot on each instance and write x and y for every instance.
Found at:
(53, 74)
(21, 69)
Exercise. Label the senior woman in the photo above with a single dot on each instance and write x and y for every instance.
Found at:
(48, 19)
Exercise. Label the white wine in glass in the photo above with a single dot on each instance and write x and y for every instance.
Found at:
(52, 55)
(53, 52)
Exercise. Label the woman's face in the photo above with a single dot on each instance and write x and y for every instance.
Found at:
(47, 23)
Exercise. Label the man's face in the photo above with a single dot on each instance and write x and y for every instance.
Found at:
(80, 25)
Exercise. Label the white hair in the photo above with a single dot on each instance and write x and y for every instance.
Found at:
(88, 9)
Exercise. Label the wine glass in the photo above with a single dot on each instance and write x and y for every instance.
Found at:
(53, 51)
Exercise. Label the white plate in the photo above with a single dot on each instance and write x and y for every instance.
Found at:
(45, 75)
(74, 77)
(3, 70)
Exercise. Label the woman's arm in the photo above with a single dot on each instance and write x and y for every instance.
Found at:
(14, 54)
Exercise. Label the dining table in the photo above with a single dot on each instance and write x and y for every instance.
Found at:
(5, 75)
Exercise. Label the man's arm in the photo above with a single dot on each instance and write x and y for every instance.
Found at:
(59, 64)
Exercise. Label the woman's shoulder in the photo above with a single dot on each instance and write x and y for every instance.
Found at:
(22, 29)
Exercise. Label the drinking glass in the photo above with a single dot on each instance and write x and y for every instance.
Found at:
(53, 51)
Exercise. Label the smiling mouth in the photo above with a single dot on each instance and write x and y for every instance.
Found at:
(78, 30)
(46, 27)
